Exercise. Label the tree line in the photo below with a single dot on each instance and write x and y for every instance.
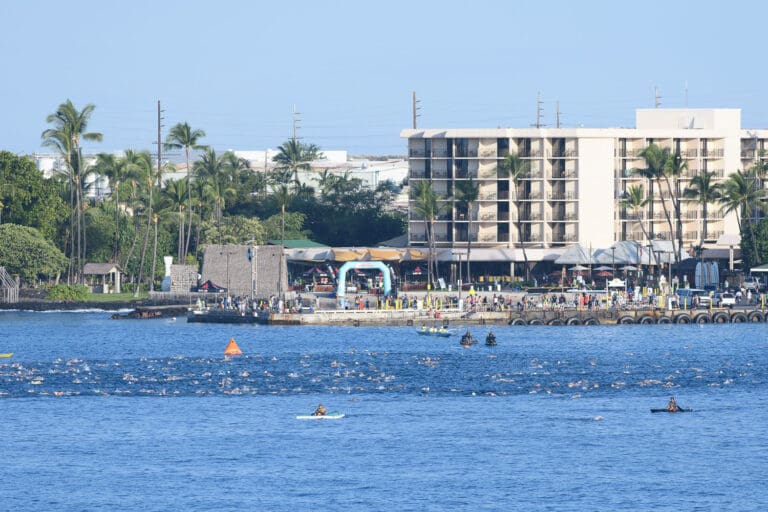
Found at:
(146, 216)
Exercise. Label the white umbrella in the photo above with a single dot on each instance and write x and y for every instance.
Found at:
(628, 267)
(578, 268)
(603, 267)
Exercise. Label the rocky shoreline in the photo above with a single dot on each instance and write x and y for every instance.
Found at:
(118, 306)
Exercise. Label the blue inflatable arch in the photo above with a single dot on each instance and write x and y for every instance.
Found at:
(342, 290)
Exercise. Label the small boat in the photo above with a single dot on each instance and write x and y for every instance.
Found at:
(329, 416)
(439, 332)
(6, 355)
(679, 409)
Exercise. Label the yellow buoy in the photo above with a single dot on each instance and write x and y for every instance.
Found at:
(232, 348)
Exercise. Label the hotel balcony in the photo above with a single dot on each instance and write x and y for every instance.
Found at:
(561, 196)
(713, 153)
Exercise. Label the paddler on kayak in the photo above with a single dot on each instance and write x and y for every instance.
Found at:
(672, 405)
(320, 411)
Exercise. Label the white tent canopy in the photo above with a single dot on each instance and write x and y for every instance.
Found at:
(760, 268)
(575, 255)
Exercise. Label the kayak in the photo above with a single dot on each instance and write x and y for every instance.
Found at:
(6, 355)
(329, 416)
(667, 410)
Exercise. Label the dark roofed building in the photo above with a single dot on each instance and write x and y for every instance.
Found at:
(103, 277)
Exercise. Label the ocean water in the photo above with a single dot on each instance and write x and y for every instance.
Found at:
(148, 415)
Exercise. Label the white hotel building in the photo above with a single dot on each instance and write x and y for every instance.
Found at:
(577, 178)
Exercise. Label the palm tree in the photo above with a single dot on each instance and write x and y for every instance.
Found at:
(427, 204)
(704, 191)
(515, 169)
(636, 201)
(177, 194)
(219, 175)
(675, 167)
(294, 155)
(183, 136)
(143, 164)
(116, 170)
(69, 128)
(325, 181)
(656, 160)
(741, 196)
(202, 198)
(284, 198)
(234, 165)
(467, 193)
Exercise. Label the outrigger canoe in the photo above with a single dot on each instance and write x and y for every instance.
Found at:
(6, 355)
(667, 410)
(329, 416)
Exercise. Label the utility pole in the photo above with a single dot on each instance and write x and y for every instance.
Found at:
(416, 109)
(657, 98)
(159, 141)
(558, 114)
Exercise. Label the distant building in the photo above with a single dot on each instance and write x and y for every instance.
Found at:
(577, 180)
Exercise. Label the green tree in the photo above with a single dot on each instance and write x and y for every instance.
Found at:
(183, 136)
(25, 252)
(635, 200)
(116, 170)
(219, 176)
(69, 129)
(27, 198)
(655, 163)
(675, 167)
(176, 195)
(516, 170)
(428, 204)
(236, 230)
(754, 249)
(284, 198)
(467, 193)
(292, 224)
(704, 190)
(294, 156)
(741, 196)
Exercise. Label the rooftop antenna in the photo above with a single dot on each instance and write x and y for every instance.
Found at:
(416, 109)
(657, 98)
(557, 116)
(539, 111)
(686, 94)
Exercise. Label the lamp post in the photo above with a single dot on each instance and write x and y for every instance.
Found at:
(458, 254)
(227, 253)
(613, 260)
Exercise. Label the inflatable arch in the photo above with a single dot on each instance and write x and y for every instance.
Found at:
(342, 289)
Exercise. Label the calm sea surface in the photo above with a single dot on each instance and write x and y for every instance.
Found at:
(98, 414)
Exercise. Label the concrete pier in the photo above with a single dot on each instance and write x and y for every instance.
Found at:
(520, 318)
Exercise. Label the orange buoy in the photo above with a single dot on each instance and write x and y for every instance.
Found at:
(232, 348)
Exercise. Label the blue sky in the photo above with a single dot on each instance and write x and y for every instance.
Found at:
(236, 68)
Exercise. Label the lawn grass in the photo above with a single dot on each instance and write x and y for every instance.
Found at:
(115, 297)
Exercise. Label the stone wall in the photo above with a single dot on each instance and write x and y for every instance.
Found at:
(183, 278)
(244, 269)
